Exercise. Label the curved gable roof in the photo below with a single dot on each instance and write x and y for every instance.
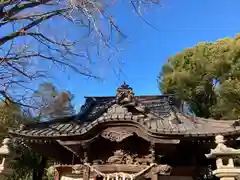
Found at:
(160, 118)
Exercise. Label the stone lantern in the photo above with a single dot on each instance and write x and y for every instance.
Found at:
(224, 156)
(6, 158)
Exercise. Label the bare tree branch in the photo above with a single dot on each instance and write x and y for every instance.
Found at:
(32, 44)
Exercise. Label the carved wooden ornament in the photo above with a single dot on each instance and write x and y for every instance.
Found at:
(116, 136)
(121, 157)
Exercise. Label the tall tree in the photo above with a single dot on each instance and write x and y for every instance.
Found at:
(52, 103)
(207, 77)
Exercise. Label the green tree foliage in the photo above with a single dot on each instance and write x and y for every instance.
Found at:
(207, 78)
(10, 116)
(52, 103)
(28, 165)
(28, 162)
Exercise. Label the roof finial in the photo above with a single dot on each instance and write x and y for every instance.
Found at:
(125, 85)
(125, 94)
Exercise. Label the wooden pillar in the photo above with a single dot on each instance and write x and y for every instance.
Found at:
(154, 176)
(86, 173)
(57, 175)
(152, 151)
(86, 169)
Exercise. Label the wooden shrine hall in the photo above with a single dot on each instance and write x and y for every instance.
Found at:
(126, 137)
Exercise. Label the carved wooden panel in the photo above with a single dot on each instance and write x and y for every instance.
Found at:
(121, 157)
(116, 135)
(117, 109)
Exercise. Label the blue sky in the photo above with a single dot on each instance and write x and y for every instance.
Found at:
(181, 24)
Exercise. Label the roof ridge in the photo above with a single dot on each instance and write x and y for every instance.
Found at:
(52, 121)
(150, 95)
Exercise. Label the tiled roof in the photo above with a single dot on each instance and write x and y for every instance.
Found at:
(161, 118)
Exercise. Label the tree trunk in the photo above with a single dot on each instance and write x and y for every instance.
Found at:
(38, 173)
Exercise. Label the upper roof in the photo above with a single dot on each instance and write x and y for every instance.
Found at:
(153, 115)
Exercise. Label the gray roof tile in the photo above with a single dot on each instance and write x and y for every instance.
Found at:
(165, 119)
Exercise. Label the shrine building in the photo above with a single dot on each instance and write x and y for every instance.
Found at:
(128, 137)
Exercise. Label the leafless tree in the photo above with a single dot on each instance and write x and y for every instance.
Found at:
(31, 43)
